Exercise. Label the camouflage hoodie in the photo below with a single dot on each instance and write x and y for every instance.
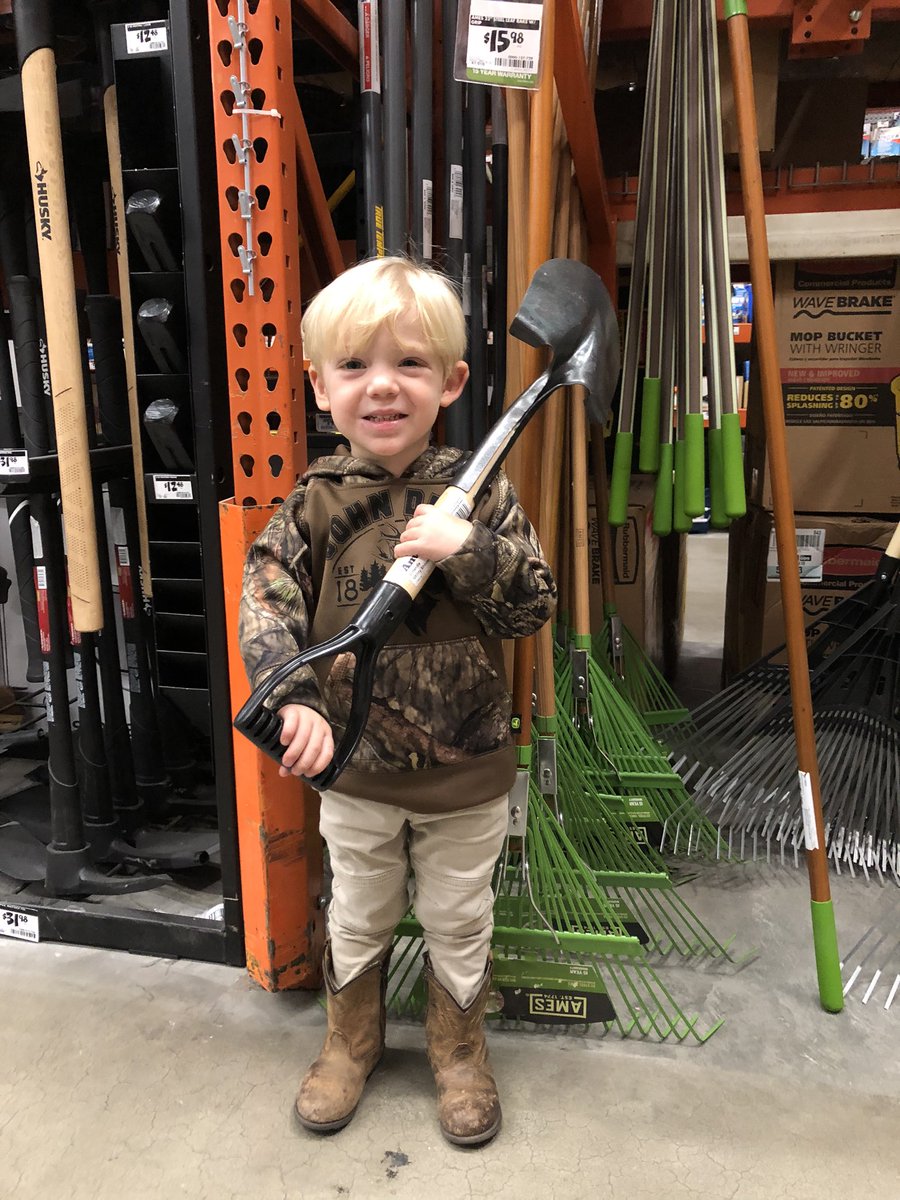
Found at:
(437, 738)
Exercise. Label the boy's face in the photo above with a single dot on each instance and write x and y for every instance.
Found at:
(384, 399)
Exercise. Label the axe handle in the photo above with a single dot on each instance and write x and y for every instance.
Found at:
(111, 117)
(58, 278)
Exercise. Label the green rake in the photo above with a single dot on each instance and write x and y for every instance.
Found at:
(625, 761)
(614, 646)
(562, 955)
(632, 876)
(625, 758)
(603, 829)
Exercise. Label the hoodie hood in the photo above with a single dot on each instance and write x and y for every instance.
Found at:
(438, 464)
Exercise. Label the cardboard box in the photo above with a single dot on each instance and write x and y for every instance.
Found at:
(838, 554)
(649, 577)
(838, 330)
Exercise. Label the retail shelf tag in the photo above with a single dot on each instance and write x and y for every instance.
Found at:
(23, 926)
(498, 42)
(14, 464)
(810, 554)
(172, 487)
(146, 37)
(808, 808)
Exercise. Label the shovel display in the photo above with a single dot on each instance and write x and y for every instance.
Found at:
(566, 308)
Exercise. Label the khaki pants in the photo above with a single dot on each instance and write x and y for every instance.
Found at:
(373, 847)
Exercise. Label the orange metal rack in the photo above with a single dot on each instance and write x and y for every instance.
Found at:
(256, 136)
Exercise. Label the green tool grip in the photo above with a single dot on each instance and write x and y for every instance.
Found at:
(694, 466)
(718, 517)
(648, 451)
(828, 962)
(681, 522)
(620, 480)
(735, 8)
(733, 465)
(662, 502)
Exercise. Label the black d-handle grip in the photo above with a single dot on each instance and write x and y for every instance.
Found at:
(376, 620)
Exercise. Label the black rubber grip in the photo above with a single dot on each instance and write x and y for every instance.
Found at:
(104, 14)
(33, 22)
(29, 365)
(144, 213)
(104, 314)
(155, 319)
(19, 515)
(160, 420)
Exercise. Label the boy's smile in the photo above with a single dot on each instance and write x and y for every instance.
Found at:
(384, 397)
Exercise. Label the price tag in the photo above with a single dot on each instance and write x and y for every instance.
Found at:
(810, 555)
(23, 926)
(503, 43)
(324, 423)
(146, 37)
(173, 487)
(14, 464)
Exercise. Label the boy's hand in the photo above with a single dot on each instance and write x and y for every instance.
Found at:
(308, 738)
(432, 534)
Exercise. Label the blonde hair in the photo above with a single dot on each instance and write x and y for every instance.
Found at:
(346, 315)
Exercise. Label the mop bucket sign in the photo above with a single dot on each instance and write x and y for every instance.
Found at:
(498, 42)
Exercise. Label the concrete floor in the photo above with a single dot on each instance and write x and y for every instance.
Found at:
(124, 1076)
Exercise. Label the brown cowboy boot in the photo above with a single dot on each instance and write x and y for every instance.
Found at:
(468, 1104)
(331, 1088)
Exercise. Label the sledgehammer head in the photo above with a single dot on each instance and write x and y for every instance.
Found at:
(568, 309)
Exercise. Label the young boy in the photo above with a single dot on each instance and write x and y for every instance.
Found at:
(427, 788)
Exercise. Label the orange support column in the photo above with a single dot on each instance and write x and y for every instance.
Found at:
(255, 106)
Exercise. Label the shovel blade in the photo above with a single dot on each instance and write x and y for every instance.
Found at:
(568, 308)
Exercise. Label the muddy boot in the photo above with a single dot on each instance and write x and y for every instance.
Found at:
(332, 1086)
(468, 1104)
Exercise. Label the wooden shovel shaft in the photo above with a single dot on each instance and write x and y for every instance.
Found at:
(785, 530)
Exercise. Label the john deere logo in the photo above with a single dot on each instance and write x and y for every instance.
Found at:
(43, 201)
(574, 1007)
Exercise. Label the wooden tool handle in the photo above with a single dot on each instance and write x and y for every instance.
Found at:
(63, 342)
(111, 118)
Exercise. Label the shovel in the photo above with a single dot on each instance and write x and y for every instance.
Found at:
(566, 308)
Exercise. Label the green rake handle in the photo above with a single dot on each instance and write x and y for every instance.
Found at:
(718, 516)
(662, 501)
(648, 451)
(828, 966)
(733, 466)
(694, 466)
(681, 521)
(620, 479)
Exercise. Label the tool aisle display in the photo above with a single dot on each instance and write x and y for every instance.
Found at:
(138, 798)
(489, 182)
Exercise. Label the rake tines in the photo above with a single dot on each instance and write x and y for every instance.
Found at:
(631, 874)
(636, 676)
(624, 758)
(562, 954)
